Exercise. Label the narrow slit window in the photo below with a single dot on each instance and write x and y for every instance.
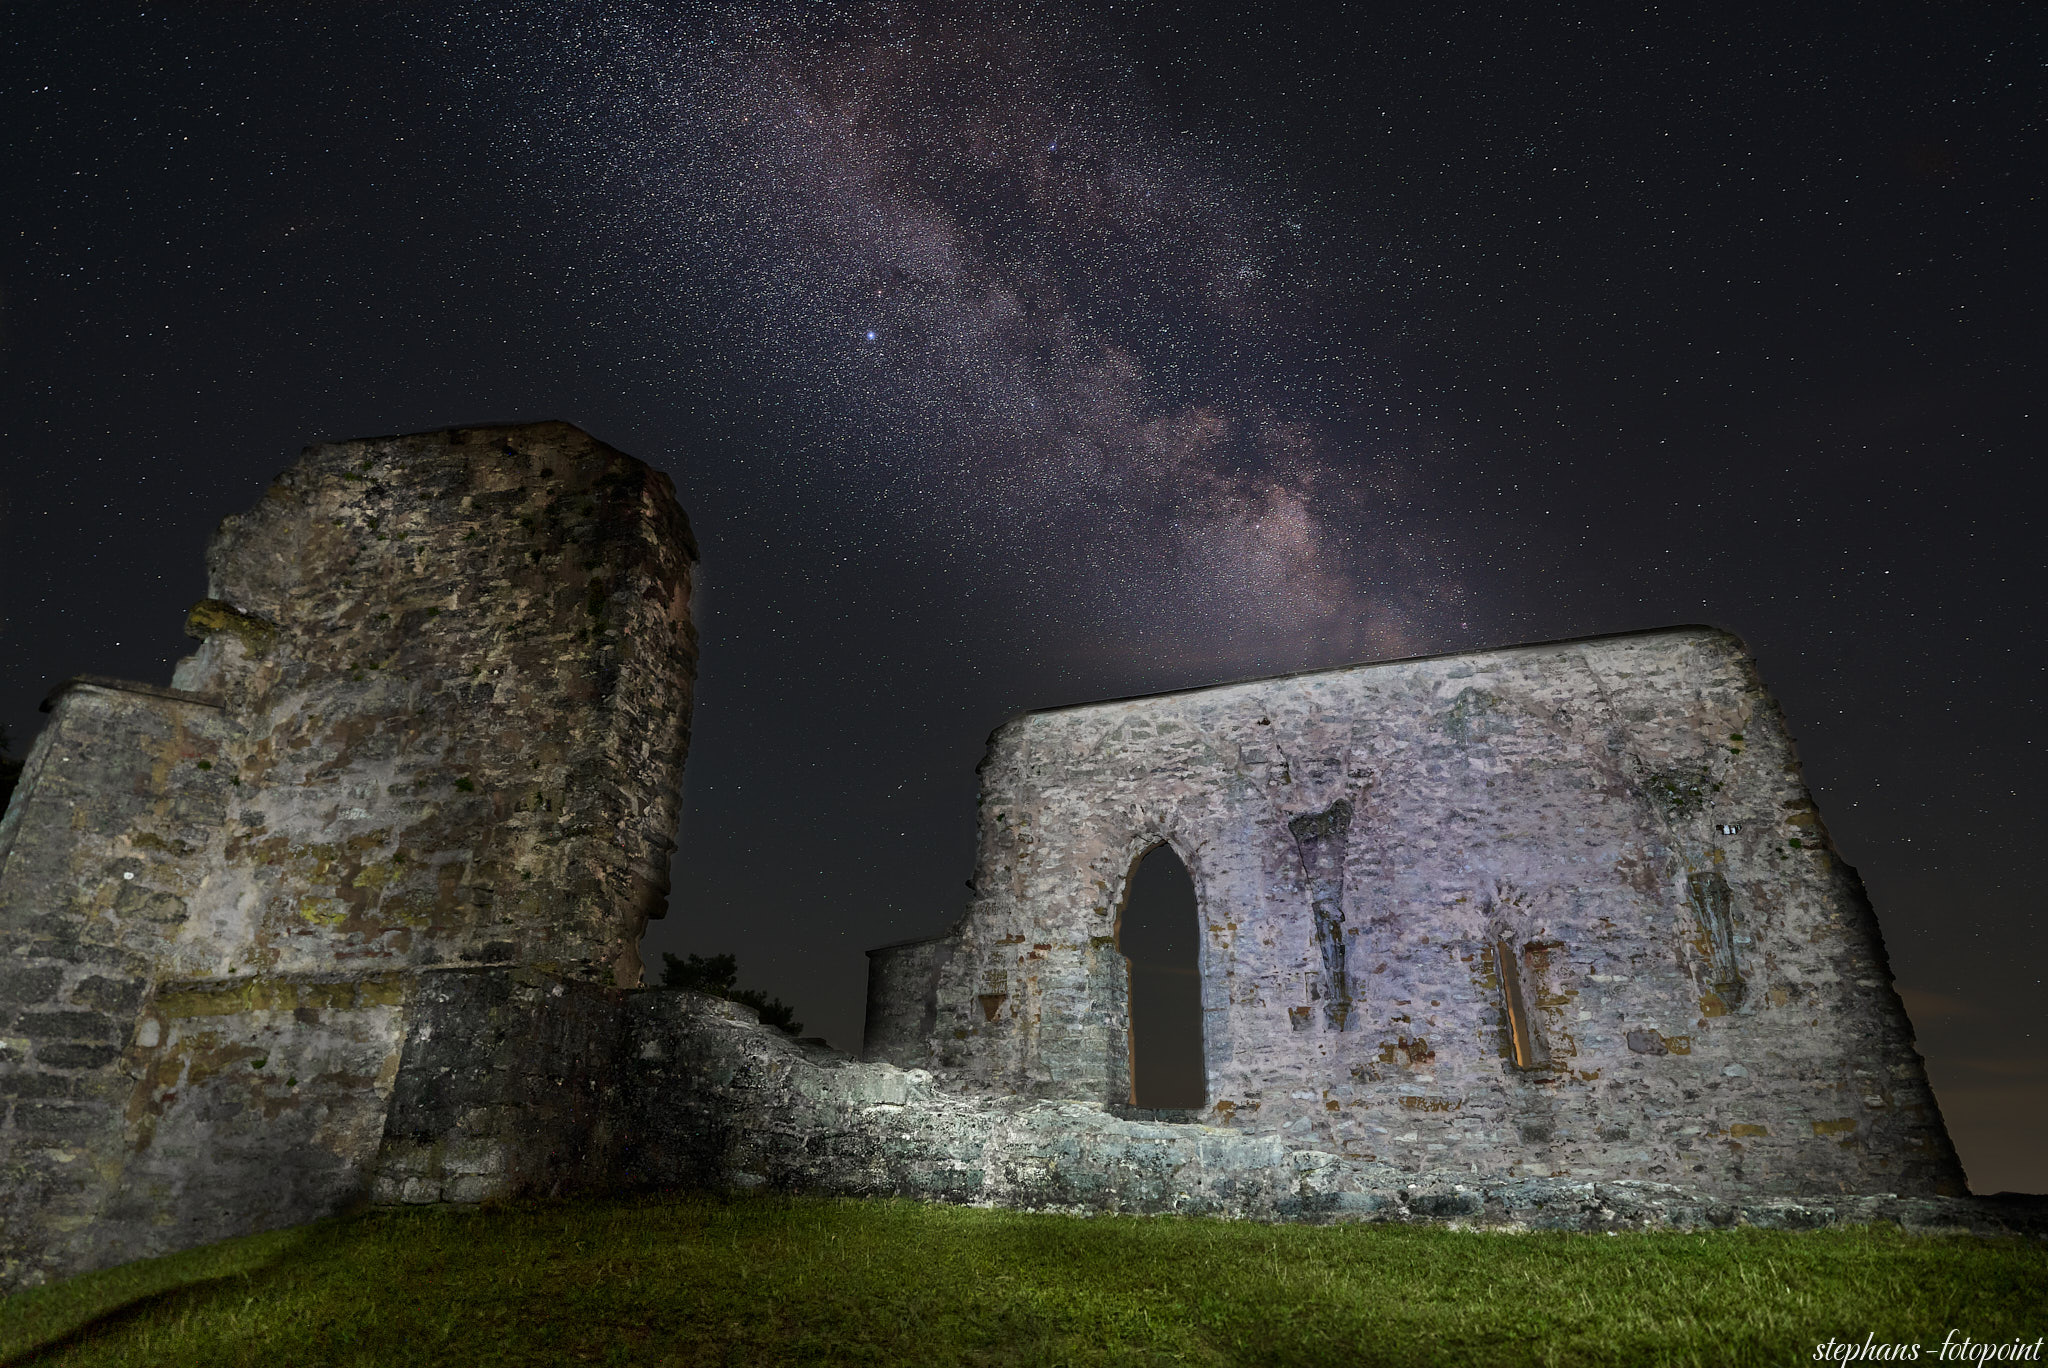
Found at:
(1158, 934)
(1713, 908)
(1524, 1048)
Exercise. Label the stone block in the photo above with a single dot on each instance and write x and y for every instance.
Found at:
(116, 997)
(29, 983)
(66, 1054)
(63, 1025)
(22, 1083)
(62, 1120)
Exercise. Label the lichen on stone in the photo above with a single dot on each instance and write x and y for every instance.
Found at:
(209, 616)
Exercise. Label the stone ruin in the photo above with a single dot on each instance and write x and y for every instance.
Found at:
(1562, 910)
(1549, 936)
(434, 727)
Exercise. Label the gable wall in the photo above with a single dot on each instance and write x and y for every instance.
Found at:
(1565, 800)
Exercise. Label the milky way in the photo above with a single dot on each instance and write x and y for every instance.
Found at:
(1207, 342)
(1106, 359)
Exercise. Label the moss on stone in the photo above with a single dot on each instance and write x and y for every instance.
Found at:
(279, 995)
(1681, 789)
(209, 616)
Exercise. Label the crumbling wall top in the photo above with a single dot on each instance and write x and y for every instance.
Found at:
(435, 726)
(462, 661)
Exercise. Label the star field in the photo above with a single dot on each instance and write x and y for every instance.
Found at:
(1059, 334)
(1014, 359)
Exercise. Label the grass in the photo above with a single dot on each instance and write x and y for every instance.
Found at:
(700, 1280)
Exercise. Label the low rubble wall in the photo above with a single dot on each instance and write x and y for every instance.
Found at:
(714, 1099)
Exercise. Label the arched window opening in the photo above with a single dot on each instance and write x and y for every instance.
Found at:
(1159, 933)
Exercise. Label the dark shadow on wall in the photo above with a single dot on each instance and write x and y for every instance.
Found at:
(1160, 935)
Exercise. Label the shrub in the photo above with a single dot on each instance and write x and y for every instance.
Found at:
(716, 975)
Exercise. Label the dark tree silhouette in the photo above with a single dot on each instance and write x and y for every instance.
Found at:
(716, 975)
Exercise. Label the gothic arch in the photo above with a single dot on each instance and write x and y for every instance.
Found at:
(1158, 933)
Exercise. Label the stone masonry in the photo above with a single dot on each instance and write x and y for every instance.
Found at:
(1548, 936)
(436, 721)
(712, 1099)
(1558, 911)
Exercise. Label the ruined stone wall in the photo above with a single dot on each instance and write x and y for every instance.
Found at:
(1559, 911)
(437, 721)
(461, 663)
(518, 1083)
(104, 847)
(510, 1086)
(1545, 936)
(903, 981)
(711, 1099)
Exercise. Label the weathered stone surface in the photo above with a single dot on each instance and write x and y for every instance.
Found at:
(1562, 911)
(437, 718)
(462, 664)
(258, 1102)
(109, 823)
(713, 1099)
(902, 999)
(1549, 936)
(509, 1087)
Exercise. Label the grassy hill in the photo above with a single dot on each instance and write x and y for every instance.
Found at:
(701, 1280)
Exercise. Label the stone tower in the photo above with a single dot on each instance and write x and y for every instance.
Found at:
(436, 725)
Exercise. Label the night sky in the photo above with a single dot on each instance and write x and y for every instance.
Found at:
(1018, 359)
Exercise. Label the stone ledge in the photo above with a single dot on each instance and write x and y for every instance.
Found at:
(277, 993)
(128, 686)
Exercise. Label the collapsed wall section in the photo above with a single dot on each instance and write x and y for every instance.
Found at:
(712, 1099)
(436, 724)
(1558, 911)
